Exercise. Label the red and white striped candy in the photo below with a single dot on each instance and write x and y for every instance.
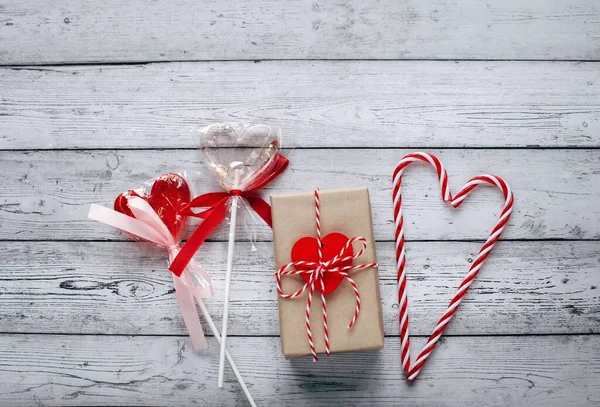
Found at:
(412, 370)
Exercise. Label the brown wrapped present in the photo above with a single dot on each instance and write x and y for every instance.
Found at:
(348, 212)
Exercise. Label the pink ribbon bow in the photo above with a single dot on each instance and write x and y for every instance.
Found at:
(193, 282)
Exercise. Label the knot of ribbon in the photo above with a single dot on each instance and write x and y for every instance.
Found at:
(316, 272)
(216, 202)
(194, 281)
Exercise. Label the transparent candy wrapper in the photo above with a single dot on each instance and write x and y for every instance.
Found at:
(238, 154)
(156, 211)
(169, 195)
(244, 159)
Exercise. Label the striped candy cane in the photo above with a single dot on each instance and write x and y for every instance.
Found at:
(412, 370)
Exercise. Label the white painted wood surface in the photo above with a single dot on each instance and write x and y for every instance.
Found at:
(317, 103)
(88, 317)
(59, 370)
(67, 31)
(108, 288)
(47, 193)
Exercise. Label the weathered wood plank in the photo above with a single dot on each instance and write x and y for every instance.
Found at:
(46, 194)
(157, 371)
(317, 104)
(70, 31)
(124, 288)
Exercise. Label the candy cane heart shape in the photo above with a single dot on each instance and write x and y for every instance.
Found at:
(412, 370)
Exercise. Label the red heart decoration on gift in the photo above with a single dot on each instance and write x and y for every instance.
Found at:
(168, 196)
(307, 249)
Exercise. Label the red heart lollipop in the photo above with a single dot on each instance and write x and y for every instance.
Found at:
(168, 197)
(121, 202)
(307, 249)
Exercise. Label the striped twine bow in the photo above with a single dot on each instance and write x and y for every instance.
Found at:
(413, 370)
(317, 271)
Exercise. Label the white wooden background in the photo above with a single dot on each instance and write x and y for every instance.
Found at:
(97, 97)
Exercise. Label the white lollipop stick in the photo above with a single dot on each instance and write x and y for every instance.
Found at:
(236, 372)
(230, 248)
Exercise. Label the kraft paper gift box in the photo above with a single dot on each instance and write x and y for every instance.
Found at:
(346, 211)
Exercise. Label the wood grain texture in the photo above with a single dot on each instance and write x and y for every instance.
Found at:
(316, 103)
(69, 31)
(46, 195)
(88, 317)
(162, 371)
(124, 288)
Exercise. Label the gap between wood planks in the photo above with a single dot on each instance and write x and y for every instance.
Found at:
(418, 148)
(32, 67)
(566, 240)
(208, 334)
(422, 104)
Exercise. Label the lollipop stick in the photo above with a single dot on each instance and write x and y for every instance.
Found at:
(230, 248)
(236, 372)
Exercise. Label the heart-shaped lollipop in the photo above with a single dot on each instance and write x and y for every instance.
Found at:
(244, 159)
(168, 196)
(307, 249)
(159, 216)
(238, 154)
(121, 202)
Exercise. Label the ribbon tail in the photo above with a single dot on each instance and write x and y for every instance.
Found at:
(208, 200)
(127, 224)
(261, 207)
(198, 281)
(190, 315)
(201, 233)
(279, 165)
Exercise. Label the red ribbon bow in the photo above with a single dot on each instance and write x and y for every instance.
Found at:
(216, 202)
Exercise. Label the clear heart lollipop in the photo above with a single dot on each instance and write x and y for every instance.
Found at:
(241, 157)
(237, 153)
(244, 159)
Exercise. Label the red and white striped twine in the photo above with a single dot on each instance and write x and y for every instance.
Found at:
(412, 370)
(317, 272)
